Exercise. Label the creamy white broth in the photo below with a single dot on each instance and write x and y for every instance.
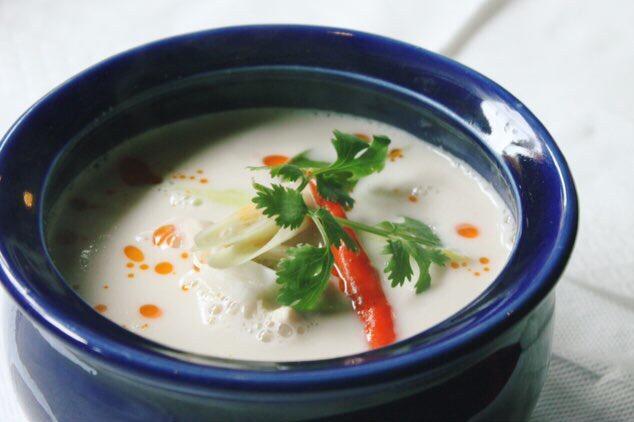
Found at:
(228, 313)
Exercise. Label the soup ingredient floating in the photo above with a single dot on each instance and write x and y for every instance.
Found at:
(361, 282)
(318, 192)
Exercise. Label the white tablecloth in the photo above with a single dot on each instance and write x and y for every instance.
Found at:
(571, 62)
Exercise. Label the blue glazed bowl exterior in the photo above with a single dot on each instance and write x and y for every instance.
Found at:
(488, 361)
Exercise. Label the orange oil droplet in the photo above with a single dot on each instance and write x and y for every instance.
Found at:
(150, 311)
(203, 181)
(412, 198)
(196, 268)
(395, 154)
(274, 160)
(363, 137)
(144, 266)
(477, 274)
(468, 231)
(464, 264)
(192, 177)
(105, 286)
(28, 199)
(133, 253)
(484, 260)
(164, 268)
(166, 236)
(184, 288)
(130, 265)
(101, 308)
(455, 265)
(184, 255)
(182, 176)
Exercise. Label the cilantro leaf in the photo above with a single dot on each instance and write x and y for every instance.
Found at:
(373, 159)
(285, 205)
(354, 156)
(288, 172)
(424, 257)
(423, 261)
(358, 158)
(303, 276)
(407, 241)
(424, 278)
(302, 160)
(411, 229)
(355, 160)
(438, 257)
(335, 188)
(419, 229)
(335, 234)
(347, 147)
(398, 268)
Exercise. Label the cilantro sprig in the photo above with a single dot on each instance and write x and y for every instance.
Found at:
(303, 276)
(355, 160)
(304, 273)
(283, 204)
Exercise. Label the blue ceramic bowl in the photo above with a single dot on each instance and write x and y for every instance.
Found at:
(487, 361)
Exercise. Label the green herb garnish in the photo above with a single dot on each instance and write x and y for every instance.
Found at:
(304, 273)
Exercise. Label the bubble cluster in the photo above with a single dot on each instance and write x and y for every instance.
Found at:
(257, 319)
(183, 199)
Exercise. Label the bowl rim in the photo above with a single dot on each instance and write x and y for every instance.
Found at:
(147, 363)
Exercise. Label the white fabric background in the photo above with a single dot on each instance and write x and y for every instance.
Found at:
(571, 62)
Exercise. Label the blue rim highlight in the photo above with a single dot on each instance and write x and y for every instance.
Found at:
(144, 359)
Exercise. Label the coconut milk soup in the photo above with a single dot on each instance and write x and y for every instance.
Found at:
(161, 236)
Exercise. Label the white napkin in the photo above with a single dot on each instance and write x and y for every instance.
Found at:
(573, 65)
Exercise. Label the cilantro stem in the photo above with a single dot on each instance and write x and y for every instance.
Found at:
(321, 228)
(304, 183)
(381, 232)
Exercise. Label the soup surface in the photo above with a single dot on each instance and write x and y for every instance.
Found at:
(123, 234)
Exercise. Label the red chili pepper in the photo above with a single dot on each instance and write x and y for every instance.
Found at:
(362, 282)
